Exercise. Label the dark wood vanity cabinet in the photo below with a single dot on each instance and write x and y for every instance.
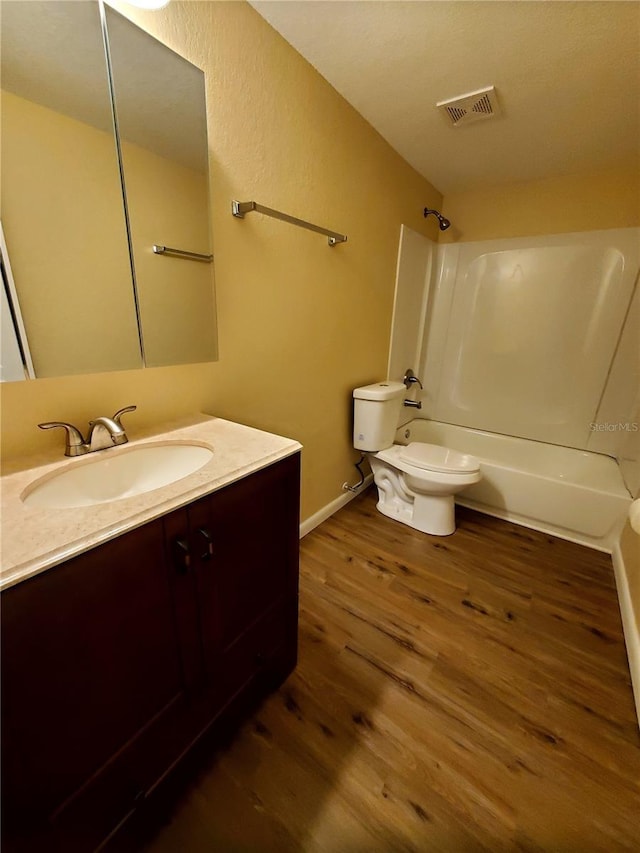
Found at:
(114, 662)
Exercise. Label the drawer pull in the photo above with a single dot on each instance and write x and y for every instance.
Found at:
(182, 556)
(208, 554)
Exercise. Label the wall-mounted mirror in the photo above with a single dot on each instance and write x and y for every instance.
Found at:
(161, 117)
(92, 293)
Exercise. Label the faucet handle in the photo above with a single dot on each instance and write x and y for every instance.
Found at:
(121, 412)
(411, 379)
(75, 445)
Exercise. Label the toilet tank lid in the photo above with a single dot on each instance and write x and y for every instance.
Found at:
(380, 391)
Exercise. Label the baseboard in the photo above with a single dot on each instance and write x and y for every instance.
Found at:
(629, 624)
(327, 511)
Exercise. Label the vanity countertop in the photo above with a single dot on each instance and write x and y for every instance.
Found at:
(35, 539)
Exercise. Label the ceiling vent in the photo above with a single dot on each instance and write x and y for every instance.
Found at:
(471, 107)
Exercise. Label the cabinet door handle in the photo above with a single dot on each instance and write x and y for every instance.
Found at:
(181, 555)
(208, 553)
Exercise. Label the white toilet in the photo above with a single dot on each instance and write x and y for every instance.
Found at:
(416, 483)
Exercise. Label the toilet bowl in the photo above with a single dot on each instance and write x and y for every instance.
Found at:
(416, 483)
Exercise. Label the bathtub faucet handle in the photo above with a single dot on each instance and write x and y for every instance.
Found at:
(411, 379)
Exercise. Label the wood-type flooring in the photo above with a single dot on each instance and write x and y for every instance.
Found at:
(464, 693)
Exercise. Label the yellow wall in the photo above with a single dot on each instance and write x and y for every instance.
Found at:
(64, 223)
(62, 211)
(550, 206)
(168, 204)
(300, 324)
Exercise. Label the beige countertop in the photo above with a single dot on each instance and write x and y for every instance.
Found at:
(35, 539)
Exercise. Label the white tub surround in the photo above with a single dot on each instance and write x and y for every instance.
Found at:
(414, 274)
(523, 334)
(573, 494)
(35, 539)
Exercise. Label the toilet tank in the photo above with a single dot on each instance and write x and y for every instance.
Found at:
(376, 412)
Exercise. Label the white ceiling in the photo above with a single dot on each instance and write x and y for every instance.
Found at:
(567, 76)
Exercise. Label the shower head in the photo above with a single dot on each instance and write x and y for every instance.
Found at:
(444, 223)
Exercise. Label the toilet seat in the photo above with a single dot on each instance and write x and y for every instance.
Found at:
(433, 457)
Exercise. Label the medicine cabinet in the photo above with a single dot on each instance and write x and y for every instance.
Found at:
(104, 156)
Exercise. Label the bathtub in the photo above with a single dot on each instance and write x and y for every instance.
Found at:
(573, 494)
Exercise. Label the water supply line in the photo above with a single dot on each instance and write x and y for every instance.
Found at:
(346, 487)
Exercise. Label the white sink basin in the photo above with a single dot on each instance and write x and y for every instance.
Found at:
(111, 475)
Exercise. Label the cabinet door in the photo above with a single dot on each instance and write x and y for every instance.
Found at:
(89, 659)
(246, 545)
